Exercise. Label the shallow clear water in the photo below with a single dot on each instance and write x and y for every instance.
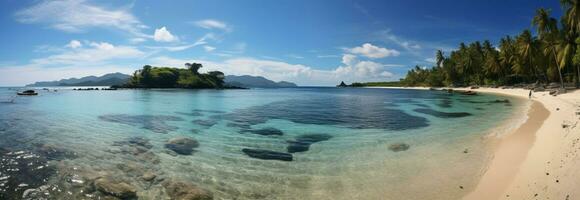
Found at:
(87, 134)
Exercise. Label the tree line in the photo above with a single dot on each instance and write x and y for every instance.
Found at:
(170, 77)
(552, 54)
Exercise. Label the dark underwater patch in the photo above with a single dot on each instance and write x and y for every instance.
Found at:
(191, 114)
(445, 103)
(361, 112)
(442, 114)
(265, 131)
(302, 143)
(22, 170)
(155, 123)
(268, 155)
(206, 123)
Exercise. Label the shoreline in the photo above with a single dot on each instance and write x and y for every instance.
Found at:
(537, 159)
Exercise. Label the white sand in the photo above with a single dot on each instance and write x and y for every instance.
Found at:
(538, 160)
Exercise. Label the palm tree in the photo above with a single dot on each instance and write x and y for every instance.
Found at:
(527, 49)
(544, 23)
(549, 36)
(439, 57)
(571, 20)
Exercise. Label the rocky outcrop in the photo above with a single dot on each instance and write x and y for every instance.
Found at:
(185, 191)
(267, 154)
(182, 145)
(265, 131)
(114, 188)
(396, 147)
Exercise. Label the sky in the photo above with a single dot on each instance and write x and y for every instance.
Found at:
(311, 43)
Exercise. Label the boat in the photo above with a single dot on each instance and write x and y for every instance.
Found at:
(28, 93)
(469, 92)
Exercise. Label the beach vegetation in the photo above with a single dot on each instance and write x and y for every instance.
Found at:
(548, 53)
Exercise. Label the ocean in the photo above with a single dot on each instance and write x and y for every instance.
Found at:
(294, 143)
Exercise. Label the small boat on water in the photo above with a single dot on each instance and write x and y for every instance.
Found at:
(469, 92)
(28, 93)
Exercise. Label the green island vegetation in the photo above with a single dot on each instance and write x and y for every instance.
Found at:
(171, 77)
(551, 55)
(374, 84)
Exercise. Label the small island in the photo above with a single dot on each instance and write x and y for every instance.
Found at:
(172, 77)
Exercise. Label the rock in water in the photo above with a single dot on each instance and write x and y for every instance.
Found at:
(399, 147)
(265, 131)
(118, 189)
(267, 154)
(303, 142)
(186, 191)
(149, 176)
(182, 145)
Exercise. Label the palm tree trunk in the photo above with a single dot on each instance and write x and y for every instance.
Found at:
(577, 76)
(558, 66)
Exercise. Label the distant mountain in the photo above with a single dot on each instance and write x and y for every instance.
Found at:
(256, 82)
(105, 80)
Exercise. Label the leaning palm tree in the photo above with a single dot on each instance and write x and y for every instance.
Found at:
(549, 36)
(566, 50)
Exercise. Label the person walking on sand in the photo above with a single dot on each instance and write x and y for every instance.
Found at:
(530, 95)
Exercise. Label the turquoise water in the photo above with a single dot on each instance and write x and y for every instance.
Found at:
(79, 136)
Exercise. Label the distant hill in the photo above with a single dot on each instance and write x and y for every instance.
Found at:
(256, 82)
(105, 80)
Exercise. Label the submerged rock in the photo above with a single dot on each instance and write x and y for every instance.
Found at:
(206, 123)
(302, 143)
(53, 152)
(185, 191)
(265, 131)
(267, 154)
(396, 147)
(114, 188)
(442, 114)
(149, 176)
(182, 145)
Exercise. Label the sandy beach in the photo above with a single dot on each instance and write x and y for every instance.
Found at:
(539, 159)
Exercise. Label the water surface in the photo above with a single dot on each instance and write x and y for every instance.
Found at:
(302, 143)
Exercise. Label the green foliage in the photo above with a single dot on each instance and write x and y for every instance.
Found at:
(169, 77)
(551, 56)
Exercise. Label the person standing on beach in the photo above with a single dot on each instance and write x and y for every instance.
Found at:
(530, 95)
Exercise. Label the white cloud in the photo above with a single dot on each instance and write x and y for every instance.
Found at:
(163, 35)
(363, 70)
(208, 48)
(79, 16)
(372, 51)
(201, 41)
(212, 24)
(98, 52)
(278, 70)
(88, 58)
(407, 45)
(73, 44)
(348, 59)
(430, 60)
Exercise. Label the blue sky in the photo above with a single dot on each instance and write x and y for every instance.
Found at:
(307, 42)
